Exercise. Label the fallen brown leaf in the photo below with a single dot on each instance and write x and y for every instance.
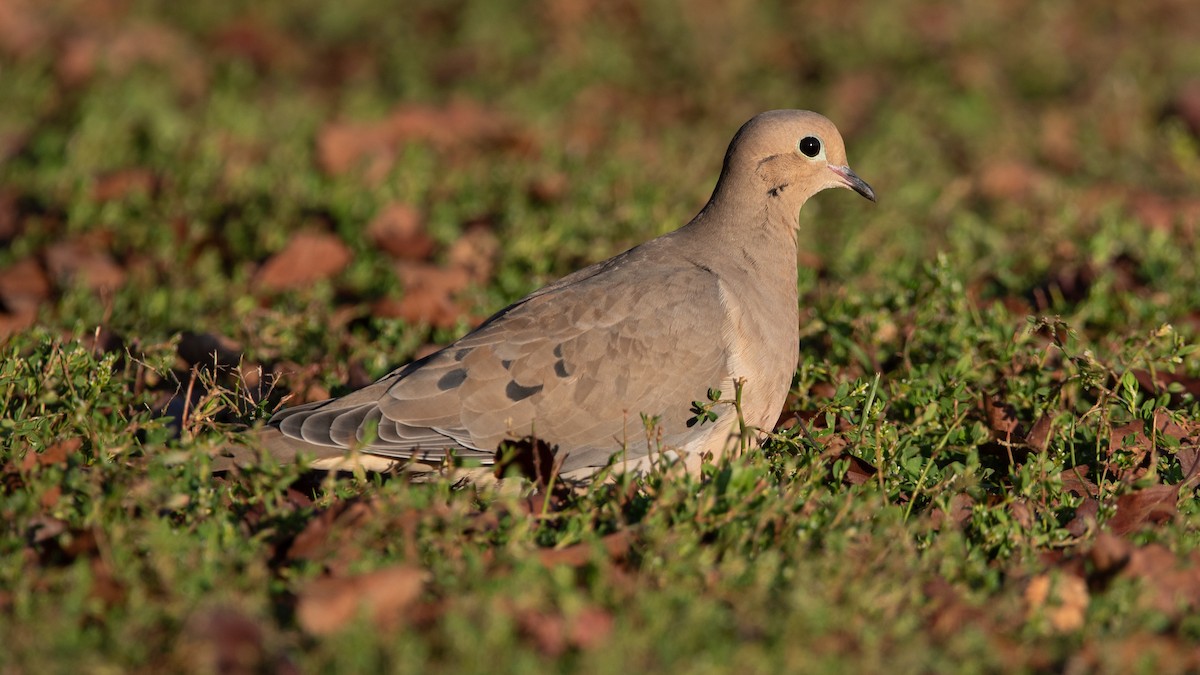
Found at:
(1059, 139)
(860, 470)
(554, 634)
(58, 453)
(23, 29)
(1009, 180)
(24, 286)
(1109, 553)
(1062, 599)
(10, 215)
(343, 146)
(475, 253)
(1172, 582)
(961, 507)
(224, 640)
(1149, 506)
(329, 604)
(400, 231)
(1160, 380)
(83, 261)
(120, 184)
(309, 257)
(853, 97)
(615, 546)
(127, 45)
(322, 533)
(1186, 104)
(428, 295)
(548, 188)
(263, 45)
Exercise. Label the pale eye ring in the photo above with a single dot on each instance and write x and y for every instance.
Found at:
(810, 146)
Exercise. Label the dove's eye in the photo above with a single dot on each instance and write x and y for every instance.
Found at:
(810, 146)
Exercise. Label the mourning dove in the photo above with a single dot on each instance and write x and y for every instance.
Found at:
(578, 363)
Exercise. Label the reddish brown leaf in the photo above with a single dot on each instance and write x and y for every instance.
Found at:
(1075, 480)
(322, 533)
(428, 296)
(50, 497)
(10, 217)
(1162, 379)
(1109, 553)
(547, 630)
(105, 587)
(475, 253)
(24, 286)
(1062, 599)
(1002, 420)
(554, 634)
(1059, 139)
(1186, 104)
(224, 640)
(136, 43)
(1153, 505)
(263, 45)
(961, 506)
(1009, 180)
(329, 604)
(1039, 434)
(948, 612)
(853, 98)
(1173, 584)
(399, 230)
(85, 262)
(590, 628)
(23, 28)
(616, 546)
(1021, 513)
(309, 257)
(58, 453)
(860, 470)
(548, 188)
(1084, 520)
(121, 184)
(10, 324)
(1189, 464)
(344, 146)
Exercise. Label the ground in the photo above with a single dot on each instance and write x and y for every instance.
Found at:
(988, 460)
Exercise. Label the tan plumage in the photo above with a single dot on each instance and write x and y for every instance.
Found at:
(576, 363)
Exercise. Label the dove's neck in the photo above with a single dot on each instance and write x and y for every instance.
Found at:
(757, 227)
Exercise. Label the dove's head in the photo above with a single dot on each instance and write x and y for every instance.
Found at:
(790, 155)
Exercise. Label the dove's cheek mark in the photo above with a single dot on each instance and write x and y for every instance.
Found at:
(778, 189)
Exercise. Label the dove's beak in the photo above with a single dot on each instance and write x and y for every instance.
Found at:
(852, 181)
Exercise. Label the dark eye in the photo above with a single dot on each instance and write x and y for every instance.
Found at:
(810, 146)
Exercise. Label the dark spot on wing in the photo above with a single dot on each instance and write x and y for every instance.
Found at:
(560, 368)
(507, 363)
(558, 350)
(452, 379)
(516, 392)
(462, 353)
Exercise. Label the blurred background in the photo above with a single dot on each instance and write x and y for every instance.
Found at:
(207, 205)
(268, 171)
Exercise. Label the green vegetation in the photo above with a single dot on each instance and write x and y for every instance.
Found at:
(988, 462)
